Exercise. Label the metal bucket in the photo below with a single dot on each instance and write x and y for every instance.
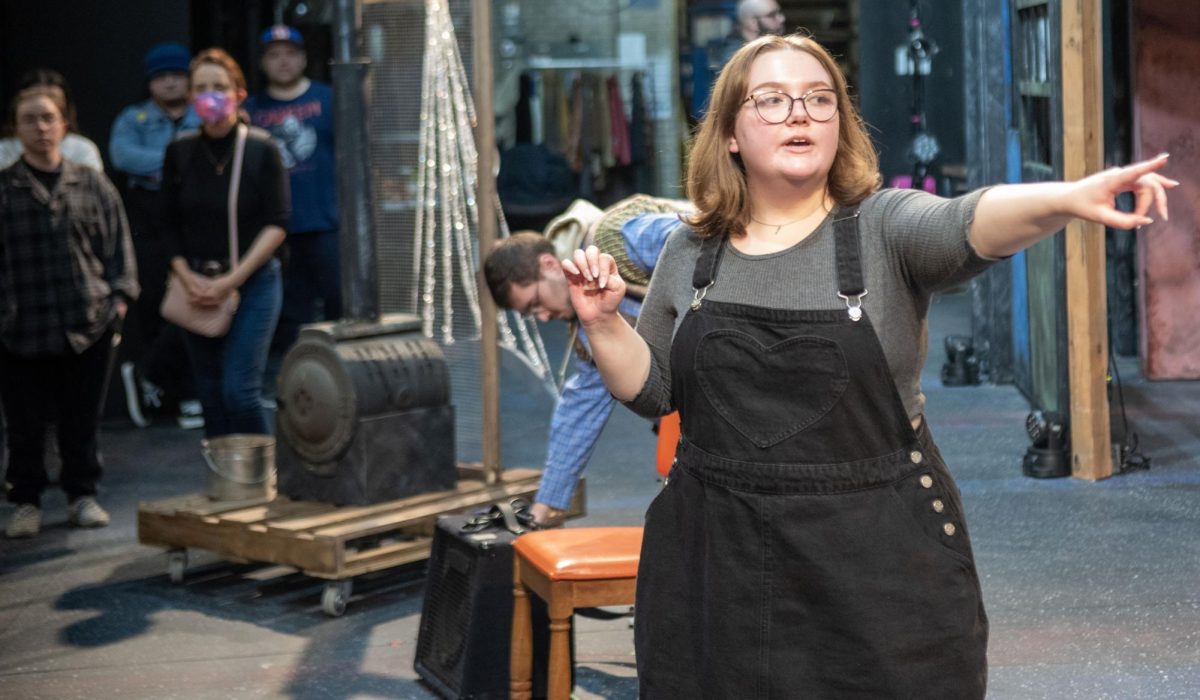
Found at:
(241, 467)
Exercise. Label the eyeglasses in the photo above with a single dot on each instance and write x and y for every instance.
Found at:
(535, 303)
(820, 104)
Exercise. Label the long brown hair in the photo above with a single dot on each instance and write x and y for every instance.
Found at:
(716, 179)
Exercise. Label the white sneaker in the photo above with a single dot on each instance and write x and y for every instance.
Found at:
(191, 415)
(86, 512)
(133, 395)
(190, 422)
(26, 521)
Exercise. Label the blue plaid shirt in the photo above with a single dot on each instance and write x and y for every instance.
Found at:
(585, 404)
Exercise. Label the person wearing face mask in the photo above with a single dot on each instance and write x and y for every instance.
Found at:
(197, 170)
(810, 540)
(136, 149)
(67, 275)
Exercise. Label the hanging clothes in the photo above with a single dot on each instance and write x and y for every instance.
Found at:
(641, 135)
(536, 128)
(580, 114)
(619, 125)
(604, 120)
(553, 110)
(573, 144)
(525, 110)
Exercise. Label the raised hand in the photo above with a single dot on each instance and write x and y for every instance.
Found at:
(595, 286)
(1095, 195)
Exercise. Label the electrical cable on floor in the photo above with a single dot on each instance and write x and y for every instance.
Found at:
(1130, 459)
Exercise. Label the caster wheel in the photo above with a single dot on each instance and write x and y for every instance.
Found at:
(335, 597)
(176, 563)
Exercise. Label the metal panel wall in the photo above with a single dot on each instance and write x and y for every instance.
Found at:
(1166, 107)
(987, 70)
(1037, 28)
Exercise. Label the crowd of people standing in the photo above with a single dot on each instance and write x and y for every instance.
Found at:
(213, 182)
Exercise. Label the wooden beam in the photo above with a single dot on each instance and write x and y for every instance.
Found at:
(485, 143)
(1087, 308)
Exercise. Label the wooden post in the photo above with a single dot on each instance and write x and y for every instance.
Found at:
(1087, 308)
(485, 143)
(520, 678)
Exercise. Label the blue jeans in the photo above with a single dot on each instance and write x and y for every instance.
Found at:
(228, 371)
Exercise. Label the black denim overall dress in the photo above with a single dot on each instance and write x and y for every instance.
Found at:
(809, 543)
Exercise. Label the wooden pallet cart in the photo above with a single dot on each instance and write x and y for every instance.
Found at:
(320, 539)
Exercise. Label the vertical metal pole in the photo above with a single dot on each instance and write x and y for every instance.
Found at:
(356, 242)
(485, 142)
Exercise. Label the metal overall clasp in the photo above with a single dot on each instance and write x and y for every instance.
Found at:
(854, 304)
(699, 295)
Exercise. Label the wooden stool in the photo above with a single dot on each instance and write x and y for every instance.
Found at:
(568, 568)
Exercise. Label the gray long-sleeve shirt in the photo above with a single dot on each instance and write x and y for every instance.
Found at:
(913, 245)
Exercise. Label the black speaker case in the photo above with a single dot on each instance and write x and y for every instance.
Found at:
(468, 604)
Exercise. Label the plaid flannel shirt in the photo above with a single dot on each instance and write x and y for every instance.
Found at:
(64, 258)
(585, 404)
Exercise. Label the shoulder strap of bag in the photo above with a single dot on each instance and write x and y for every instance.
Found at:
(235, 181)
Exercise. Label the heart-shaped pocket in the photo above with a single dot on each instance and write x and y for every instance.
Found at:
(769, 394)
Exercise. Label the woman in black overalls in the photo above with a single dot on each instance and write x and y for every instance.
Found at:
(809, 542)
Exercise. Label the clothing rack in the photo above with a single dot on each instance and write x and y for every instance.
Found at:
(595, 112)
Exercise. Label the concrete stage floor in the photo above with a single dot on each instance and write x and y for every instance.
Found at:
(1092, 589)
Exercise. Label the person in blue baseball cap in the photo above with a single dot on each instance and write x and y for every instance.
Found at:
(156, 358)
(281, 32)
(299, 114)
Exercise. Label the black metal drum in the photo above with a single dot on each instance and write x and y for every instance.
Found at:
(364, 414)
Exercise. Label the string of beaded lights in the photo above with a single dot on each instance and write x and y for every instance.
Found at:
(445, 250)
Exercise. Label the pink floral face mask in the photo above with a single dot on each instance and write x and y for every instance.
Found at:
(213, 107)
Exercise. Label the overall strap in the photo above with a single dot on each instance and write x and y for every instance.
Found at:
(704, 275)
(849, 260)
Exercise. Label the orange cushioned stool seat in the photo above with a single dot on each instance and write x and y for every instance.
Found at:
(568, 568)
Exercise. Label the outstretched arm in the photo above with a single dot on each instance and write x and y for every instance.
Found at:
(1010, 218)
(596, 288)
